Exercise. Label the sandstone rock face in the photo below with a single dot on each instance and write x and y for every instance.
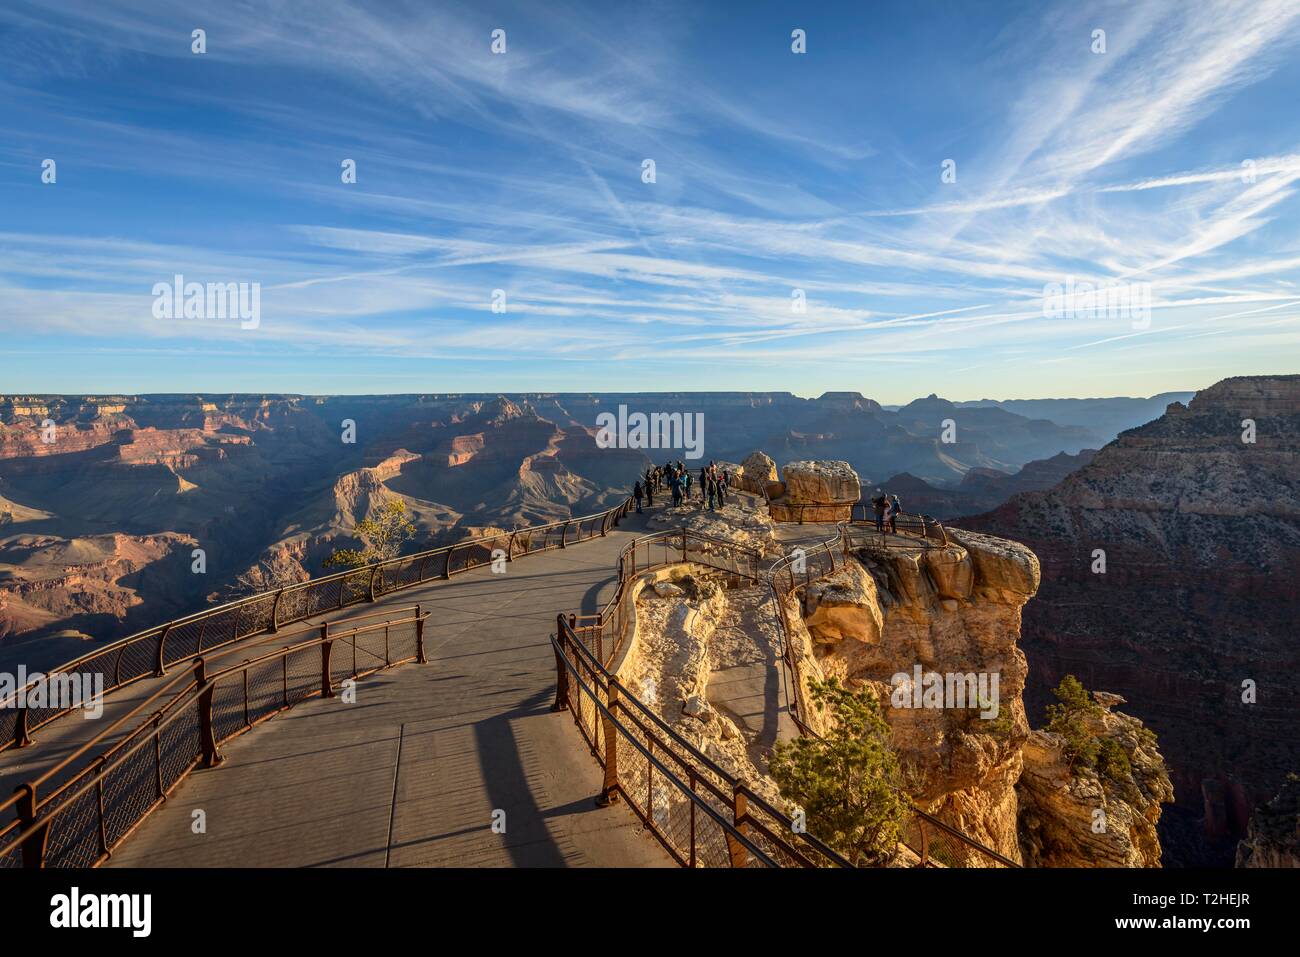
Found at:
(681, 642)
(1083, 818)
(951, 611)
(1273, 837)
(821, 482)
(757, 472)
(1200, 532)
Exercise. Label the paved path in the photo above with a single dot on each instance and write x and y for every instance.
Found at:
(412, 773)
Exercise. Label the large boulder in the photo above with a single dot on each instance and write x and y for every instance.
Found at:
(821, 482)
(756, 472)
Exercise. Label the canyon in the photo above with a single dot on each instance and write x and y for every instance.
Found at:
(104, 500)
(1171, 576)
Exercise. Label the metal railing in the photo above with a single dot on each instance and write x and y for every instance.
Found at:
(83, 819)
(786, 575)
(601, 631)
(863, 530)
(702, 816)
(151, 652)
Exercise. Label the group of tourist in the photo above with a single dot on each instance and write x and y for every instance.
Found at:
(887, 508)
(712, 484)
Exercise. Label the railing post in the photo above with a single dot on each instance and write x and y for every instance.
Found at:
(34, 844)
(925, 841)
(370, 594)
(739, 814)
(564, 533)
(419, 638)
(609, 792)
(510, 548)
(21, 737)
(275, 612)
(326, 684)
(561, 671)
(162, 652)
(446, 569)
(207, 733)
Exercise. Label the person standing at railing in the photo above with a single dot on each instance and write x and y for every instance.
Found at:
(637, 493)
(878, 506)
(686, 480)
(894, 508)
(723, 478)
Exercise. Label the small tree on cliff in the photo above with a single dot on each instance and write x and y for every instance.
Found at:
(1069, 720)
(848, 782)
(382, 537)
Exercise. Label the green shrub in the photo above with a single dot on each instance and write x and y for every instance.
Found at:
(1068, 719)
(848, 783)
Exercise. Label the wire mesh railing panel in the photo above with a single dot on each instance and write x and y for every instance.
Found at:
(74, 836)
(11, 854)
(130, 788)
(302, 669)
(137, 660)
(354, 587)
(180, 746)
(266, 688)
(183, 641)
(228, 715)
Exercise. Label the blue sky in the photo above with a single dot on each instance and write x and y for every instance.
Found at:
(775, 172)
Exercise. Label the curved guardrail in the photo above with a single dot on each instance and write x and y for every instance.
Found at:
(151, 652)
(702, 815)
(82, 819)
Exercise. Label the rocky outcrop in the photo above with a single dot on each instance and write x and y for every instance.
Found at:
(1273, 836)
(893, 618)
(1171, 575)
(1084, 817)
(821, 482)
(933, 633)
(814, 492)
(757, 472)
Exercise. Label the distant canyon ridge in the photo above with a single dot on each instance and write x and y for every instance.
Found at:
(104, 498)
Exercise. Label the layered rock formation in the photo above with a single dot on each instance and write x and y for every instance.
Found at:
(1273, 836)
(1171, 575)
(953, 612)
(757, 473)
(1083, 817)
(814, 491)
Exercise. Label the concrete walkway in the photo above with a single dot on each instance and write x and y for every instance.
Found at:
(413, 773)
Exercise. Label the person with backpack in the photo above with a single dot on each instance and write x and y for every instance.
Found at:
(638, 493)
(894, 508)
(878, 506)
